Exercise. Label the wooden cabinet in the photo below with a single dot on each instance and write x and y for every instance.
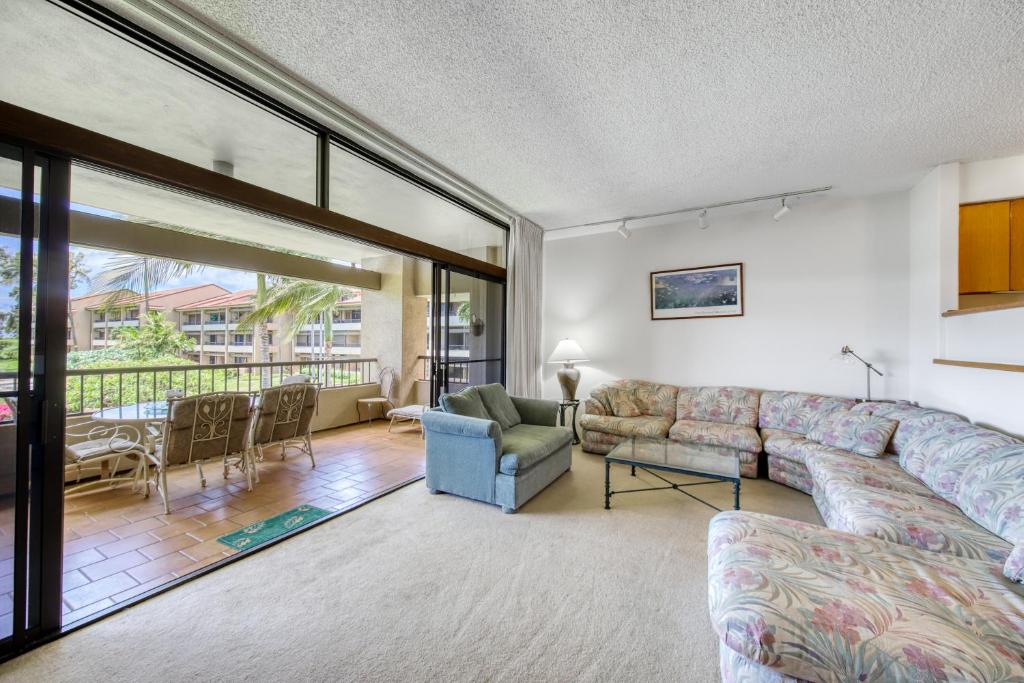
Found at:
(985, 247)
(1017, 245)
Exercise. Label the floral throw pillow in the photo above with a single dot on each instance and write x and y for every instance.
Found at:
(860, 433)
(624, 402)
(1014, 567)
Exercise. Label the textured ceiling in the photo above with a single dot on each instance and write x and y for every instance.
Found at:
(576, 111)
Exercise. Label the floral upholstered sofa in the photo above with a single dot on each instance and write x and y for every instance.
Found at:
(918, 578)
(719, 419)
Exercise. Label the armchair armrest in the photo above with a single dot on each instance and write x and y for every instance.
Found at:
(459, 425)
(536, 411)
(594, 407)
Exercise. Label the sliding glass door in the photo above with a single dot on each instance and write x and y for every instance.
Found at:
(467, 331)
(33, 314)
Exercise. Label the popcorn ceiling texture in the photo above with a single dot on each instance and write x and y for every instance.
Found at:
(576, 111)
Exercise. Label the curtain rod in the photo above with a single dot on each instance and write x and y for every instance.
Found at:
(691, 209)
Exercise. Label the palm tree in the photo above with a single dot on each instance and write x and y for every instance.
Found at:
(144, 273)
(306, 301)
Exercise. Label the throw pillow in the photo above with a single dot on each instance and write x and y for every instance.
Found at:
(861, 433)
(1014, 567)
(624, 402)
(466, 403)
(499, 405)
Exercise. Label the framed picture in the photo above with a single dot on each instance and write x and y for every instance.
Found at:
(707, 292)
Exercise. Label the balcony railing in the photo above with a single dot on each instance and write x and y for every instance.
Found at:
(97, 388)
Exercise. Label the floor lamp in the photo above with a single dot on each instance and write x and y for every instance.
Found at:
(869, 368)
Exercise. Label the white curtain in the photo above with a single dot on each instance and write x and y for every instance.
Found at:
(523, 320)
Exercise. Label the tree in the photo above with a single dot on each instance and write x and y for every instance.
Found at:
(155, 336)
(10, 275)
(306, 301)
(127, 271)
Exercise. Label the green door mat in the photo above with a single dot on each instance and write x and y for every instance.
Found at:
(272, 527)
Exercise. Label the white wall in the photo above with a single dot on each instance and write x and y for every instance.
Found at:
(989, 397)
(828, 274)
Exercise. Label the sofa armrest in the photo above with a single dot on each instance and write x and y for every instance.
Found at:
(536, 411)
(459, 425)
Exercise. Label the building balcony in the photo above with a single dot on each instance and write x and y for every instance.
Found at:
(191, 327)
(335, 350)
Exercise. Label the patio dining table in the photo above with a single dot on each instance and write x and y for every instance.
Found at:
(137, 415)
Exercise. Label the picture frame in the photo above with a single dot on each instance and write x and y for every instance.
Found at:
(702, 292)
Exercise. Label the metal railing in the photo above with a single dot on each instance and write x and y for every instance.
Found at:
(94, 389)
(458, 370)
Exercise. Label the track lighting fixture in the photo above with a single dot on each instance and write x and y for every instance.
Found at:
(783, 210)
(701, 210)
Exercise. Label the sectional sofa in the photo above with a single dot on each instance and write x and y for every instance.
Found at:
(917, 578)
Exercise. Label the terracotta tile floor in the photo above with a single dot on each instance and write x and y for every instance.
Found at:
(118, 544)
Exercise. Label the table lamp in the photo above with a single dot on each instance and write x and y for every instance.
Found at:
(846, 353)
(568, 352)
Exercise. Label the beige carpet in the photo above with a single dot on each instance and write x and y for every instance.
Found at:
(421, 587)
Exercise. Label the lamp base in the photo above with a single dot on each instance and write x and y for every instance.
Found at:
(568, 379)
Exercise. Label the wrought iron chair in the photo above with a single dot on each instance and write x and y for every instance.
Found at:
(387, 387)
(201, 429)
(102, 445)
(284, 416)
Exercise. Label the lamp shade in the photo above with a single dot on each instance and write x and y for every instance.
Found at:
(568, 351)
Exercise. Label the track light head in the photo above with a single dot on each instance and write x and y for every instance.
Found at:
(703, 220)
(624, 231)
(783, 210)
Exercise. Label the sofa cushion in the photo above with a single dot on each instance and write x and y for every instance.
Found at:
(624, 402)
(940, 454)
(523, 446)
(732, 405)
(911, 420)
(790, 473)
(716, 434)
(885, 474)
(860, 433)
(499, 405)
(658, 400)
(795, 411)
(645, 425)
(991, 492)
(466, 403)
(820, 605)
(1014, 567)
(795, 447)
(907, 519)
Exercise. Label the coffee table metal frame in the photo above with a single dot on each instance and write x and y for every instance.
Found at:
(650, 467)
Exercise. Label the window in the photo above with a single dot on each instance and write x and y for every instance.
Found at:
(370, 193)
(241, 339)
(110, 85)
(99, 334)
(214, 339)
(194, 319)
(238, 360)
(270, 338)
(217, 317)
(114, 316)
(213, 360)
(238, 314)
(132, 314)
(99, 316)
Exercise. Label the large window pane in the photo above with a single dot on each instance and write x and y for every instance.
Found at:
(365, 191)
(63, 66)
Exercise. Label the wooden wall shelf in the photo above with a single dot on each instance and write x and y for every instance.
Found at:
(982, 309)
(1005, 367)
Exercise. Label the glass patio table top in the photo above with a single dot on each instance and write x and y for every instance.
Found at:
(147, 411)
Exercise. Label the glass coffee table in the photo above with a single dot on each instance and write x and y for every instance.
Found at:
(719, 465)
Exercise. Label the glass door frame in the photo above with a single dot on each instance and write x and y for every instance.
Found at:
(440, 297)
(42, 349)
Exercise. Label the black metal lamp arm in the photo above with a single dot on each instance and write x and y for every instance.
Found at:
(847, 350)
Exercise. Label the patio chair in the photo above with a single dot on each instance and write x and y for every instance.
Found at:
(411, 413)
(103, 446)
(284, 416)
(201, 429)
(387, 387)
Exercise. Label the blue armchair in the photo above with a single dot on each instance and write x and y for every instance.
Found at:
(504, 460)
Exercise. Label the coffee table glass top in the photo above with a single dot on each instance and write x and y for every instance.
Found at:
(695, 458)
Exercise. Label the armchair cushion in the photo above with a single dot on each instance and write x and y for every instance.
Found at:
(861, 433)
(524, 445)
(498, 405)
(536, 411)
(795, 411)
(85, 451)
(991, 492)
(466, 403)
